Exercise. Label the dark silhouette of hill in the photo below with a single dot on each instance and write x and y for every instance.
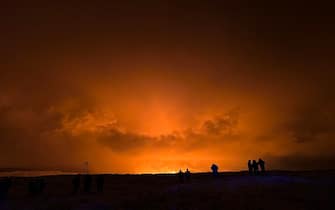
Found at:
(229, 190)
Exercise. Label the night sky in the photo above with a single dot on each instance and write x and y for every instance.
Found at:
(154, 86)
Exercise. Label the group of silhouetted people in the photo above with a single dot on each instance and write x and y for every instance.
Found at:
(184, 177)
(100, 180)
(36, 186)
(254, 166)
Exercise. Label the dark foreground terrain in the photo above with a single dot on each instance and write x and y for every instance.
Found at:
(276, 190)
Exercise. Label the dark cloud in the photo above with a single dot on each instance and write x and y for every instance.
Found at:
(222, 124)
(215, 131)
(73, 129)
(36, 138)
(123, 141)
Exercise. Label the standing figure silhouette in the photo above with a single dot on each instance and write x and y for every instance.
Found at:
(262, 165)
(255, 167)
(215, 169)
(250, 167)
(181, 176)
(187, 175)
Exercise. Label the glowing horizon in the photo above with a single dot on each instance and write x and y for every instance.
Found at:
(159, 87)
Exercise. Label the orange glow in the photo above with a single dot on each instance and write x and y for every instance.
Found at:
(158, 89)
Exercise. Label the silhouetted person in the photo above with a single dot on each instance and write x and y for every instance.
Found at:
(76, 183)
(187, 175)
(250, 167)
(181, 176)
(215, 169)
(261, 165)
(5, 184)
(87, 183)
(255, 167)
(100, 183)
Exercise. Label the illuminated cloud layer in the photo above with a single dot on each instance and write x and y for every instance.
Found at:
(155, 87)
